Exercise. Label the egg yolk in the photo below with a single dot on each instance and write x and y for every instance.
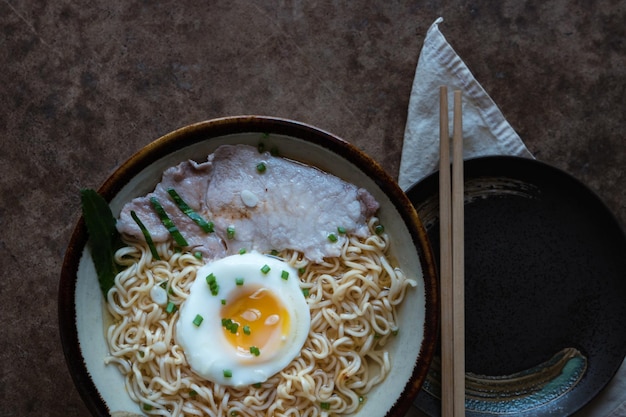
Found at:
(261, 321)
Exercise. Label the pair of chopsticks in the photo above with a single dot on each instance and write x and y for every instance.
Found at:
(451, 220)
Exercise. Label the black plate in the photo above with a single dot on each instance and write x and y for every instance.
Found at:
(545, 288)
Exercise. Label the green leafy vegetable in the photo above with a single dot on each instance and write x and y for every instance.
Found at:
(104, 239)
(168, 223)
(146, 235)
(204, 225)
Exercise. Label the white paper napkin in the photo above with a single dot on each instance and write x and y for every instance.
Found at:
(485, 132)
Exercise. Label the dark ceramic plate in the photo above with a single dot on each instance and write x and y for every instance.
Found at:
(545, 284)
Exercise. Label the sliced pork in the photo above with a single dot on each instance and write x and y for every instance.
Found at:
(257, 202)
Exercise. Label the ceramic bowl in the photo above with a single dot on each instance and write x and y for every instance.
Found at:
(81, 305)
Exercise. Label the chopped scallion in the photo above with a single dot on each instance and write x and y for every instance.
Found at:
(260, 167)
(246, 330)
(212, 282)
(168, 223)
(379, 229)
(284, 275)
(230, 325)
(147, 407)
(305, 292)
(192, 393)
(197, 321)
(204, 225)
(332, 237)
(170, 308)
(255, 350)
(239, 281)
(325, 406)
(341, 230)
(198, 255)
(228, 373)
(146, 235)
(265, 269)
(257, 385)
(242, 251)
(230, 232)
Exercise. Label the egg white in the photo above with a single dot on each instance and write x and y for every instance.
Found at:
(206, 348)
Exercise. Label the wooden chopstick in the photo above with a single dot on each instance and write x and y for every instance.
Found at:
(451, 216)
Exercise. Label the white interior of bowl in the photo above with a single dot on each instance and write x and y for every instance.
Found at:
(404, 348)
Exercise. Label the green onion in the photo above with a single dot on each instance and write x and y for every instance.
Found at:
(147, 407)
(212, 282)
(230, 325)
(192, 393)
(325, 406)
(255, 350)
(341, 230)
(379, 229)
(228, 373)
(197, 321)
(301, 270)
(246, 330)
(284, 275)
(223, 302)
(170, 308)
(305, 292)
(168, 223)
(146, 235)
(257, 385)
(274, 252)
(239, 281)
(242, 251)
(395, 332)
(332, 237)
(204, 225)
(265, 269)
(198, 255)
(260, 167)
(230, 232)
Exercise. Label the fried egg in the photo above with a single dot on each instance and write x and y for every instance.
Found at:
(245, 319)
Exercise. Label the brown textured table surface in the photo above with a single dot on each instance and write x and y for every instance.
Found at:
(84, 86)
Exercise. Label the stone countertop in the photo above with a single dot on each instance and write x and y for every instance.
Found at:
(84, 86)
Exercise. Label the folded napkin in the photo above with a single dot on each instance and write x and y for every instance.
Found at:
(485, 132)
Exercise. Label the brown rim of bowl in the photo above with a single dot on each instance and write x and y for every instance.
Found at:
(206, 130)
